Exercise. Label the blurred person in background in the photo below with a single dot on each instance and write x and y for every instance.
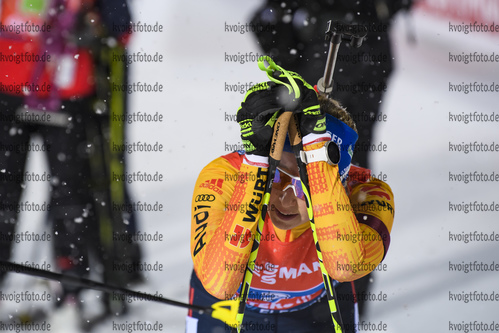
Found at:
(55, 84)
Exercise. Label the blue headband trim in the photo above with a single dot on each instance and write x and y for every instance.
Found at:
(343, 136)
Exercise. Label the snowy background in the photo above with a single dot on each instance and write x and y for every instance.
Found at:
(417, 281)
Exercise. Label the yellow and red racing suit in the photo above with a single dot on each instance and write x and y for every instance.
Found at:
(353, 225)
